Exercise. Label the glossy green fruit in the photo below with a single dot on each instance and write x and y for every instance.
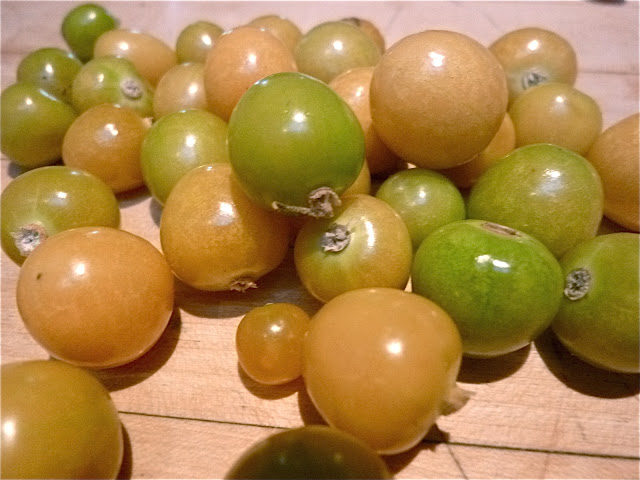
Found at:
(544, 190)
(314, 451)
(502, 287)
(294, 144)
(176, 144)
(83, 25)
(111, 80)
(334, 47)
(365, 244)
(52, 69)
(195, 40)
(58, 421)
(425, 200)
(48, 200)
(33, 125)
(598, 316)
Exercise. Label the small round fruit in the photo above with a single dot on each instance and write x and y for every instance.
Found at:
(312, 451)
(47, 200)
(531, 56)
(598, 316)
(33, 124)
(58, 421)
(239, 58)
(151, 57)
(282, 28)
(214, 237)
(504, 142)
(353, 87)
(556, 113)
(177, 143)
(195, 40)
(424, 199)
(544, 190)
(96, 297)
(52, 69)
(615, 155)
(105, 140)
(438, 98)
(269, 342)
(83, 25)
(334, 47)
(365, 244)
(370, 29)
(502, 287)
(111, 80)
(295, 145)
(181, 88)
(381, 364)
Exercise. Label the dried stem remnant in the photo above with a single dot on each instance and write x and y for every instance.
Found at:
(321, 203)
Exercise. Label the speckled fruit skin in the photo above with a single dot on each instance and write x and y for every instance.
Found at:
(544, 190)
(615, 155)
(438, 98)
(501, 287)
(601, 327)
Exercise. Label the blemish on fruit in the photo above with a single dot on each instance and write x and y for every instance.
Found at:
(29, 237)
(577, 284)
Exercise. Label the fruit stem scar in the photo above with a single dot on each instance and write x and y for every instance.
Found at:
(131, 88)
(531, 78)
(321, 202)
(29, 237)
(577, 284)
(242, 284)
(500, 229)
(336, 238)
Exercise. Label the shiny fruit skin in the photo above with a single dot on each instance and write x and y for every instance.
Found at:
(381, 364)
(239, 58)
(417, 101)
(424, 199)
(151, 57)
(195, 40)
(54, 198)
(82, 26)
(33, 124)
(312, 451)
(377, 252)
(503, 143)
(556, 113)
(111, 80)
(333, 47)
(180, 88)
(290, 135)
(52, 69)
(281, 28)
(105, 140)
(615, 155)
(214, 237)
(501, 287)
(269, 342)
(531, 56)
(544, 190)
(353, 87)
(370, 29)
(95, 297)
(58, 421)
(599, 322)
(178, 143)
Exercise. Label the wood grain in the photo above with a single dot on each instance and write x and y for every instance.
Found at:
(187, 408)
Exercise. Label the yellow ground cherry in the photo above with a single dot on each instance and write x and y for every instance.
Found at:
(181, 88)
(106, 141)
(95, 297)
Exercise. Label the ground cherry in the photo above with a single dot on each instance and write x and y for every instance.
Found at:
(96, 297)
(180, 88)
(52, 69)
(269, 342)
(82, 26)
(282, 28)
(195, 40)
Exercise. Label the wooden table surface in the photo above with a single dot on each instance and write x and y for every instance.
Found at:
(189, 411)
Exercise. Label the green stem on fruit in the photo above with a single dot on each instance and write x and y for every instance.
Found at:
(321, 202)
(29, 237)
(577, 284)
(336, 238)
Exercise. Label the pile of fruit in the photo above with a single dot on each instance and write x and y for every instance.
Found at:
(419, 186)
